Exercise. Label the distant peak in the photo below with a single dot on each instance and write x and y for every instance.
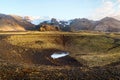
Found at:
(108, 18)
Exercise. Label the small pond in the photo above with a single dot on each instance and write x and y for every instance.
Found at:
(59, 54)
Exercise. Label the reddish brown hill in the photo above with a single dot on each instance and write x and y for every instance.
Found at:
(47, 27)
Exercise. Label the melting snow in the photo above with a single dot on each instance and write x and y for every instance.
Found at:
(59, 55)
(68, 22)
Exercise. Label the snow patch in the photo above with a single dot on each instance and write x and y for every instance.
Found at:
(59, 55)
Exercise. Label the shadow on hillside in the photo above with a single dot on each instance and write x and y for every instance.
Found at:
(43, 57)
(113, 64)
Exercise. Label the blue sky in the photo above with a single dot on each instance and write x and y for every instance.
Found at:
(61, 9)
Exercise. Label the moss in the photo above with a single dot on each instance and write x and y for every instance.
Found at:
(93, 50)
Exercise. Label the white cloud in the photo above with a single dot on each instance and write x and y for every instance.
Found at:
(118, 0)
(107, 9)
(119, 6)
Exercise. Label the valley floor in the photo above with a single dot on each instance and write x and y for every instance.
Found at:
(27, 56)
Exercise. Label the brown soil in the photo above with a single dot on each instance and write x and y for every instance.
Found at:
(30, 56)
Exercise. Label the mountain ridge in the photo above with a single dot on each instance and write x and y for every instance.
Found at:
(25, 23)
(14, 23)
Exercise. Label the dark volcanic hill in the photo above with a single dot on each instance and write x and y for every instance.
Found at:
(14, 23)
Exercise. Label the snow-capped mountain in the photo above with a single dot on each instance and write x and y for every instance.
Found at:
(36, 20)
(24, 23)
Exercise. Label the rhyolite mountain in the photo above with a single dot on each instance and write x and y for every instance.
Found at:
(117, 17)
(14, 23)
(107, 24)
(18, 23)
(82, 24)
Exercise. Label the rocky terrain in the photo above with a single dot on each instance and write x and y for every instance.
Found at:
(47, 27)
(91, 56)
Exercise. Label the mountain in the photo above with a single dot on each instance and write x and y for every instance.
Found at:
(117, 17)
(23, 22)
(14, 23)
(108, 24)
(81, 24)
(36, 20)
(19, 23)
(54, 25)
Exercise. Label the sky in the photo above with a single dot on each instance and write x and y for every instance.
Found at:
(62, 9)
